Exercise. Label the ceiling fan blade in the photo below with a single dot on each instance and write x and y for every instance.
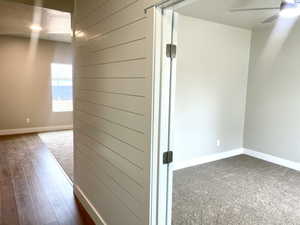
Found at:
(271, 19)
(254, 9)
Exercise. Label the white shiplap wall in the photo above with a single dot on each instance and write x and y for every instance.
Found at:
(112, 115)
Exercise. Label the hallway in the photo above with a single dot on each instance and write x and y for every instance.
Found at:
(34, 190)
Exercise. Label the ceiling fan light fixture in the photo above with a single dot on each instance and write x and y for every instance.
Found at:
(289, 10)
(35, 27)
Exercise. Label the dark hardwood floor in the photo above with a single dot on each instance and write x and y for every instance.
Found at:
(33, 188)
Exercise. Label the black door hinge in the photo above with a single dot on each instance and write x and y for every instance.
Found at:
(171, 50)
(168, 157)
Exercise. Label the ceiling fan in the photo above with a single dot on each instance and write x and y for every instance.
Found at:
(287, 8)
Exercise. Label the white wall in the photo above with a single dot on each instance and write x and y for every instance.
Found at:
(273, 107)
(113, 73)
(211, 83)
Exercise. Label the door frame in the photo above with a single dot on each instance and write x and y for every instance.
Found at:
(163, 90)
(164, 83)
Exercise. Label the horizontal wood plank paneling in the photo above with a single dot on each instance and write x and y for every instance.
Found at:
(126, 119)
(127, 103)
(131, 163)
(124, 134)
(104, 200)
(129, 51)
(127, 69)
(130, 33)
(119, 86)
(125, 198)
(130, 169)
(114, 172)
(112, 110)
(103, 12)
(113, 21)
(133, 155)
(85, 7)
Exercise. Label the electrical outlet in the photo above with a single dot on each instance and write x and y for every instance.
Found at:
(218, 143)
(27, 120)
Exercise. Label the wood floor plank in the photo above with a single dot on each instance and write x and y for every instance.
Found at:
(9, 211)
(33, 188)
(25, 204)
(43, 208)
(52, 188)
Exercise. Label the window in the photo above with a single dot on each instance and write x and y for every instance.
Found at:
(62, 93)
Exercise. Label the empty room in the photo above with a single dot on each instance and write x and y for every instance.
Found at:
(234, 112)
(184, 112)
(36, 114)
(36, 78)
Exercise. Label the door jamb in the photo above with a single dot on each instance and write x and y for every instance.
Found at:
(163, 91)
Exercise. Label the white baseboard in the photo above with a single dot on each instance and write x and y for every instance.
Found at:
(273, 159)
(207, 159)
(236, 152)
(35, 129)
(92, 211)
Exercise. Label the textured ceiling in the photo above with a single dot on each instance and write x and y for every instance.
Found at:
(218, 11)
(16, 19)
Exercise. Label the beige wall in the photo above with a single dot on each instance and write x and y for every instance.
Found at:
(25, 88)
(210, 88)
(272, 123)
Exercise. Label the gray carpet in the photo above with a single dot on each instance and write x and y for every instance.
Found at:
(238, 191)
(60, 143)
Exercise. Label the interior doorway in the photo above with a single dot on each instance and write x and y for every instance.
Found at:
(37, 75)
(217, 95)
